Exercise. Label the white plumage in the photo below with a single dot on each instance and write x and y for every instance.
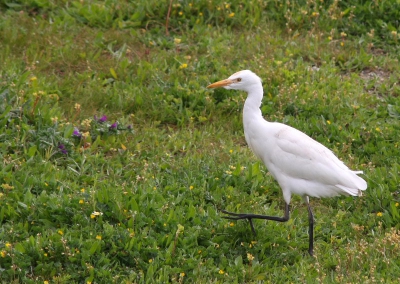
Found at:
(300, 164)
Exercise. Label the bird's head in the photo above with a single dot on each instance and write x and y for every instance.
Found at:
(243, 80)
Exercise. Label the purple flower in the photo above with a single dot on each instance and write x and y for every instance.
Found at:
(102, 119)
(62, 149)
(76, 133)
(114, 125)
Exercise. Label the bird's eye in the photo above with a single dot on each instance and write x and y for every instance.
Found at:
(239, 79)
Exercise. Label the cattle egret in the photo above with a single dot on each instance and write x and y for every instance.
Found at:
(300, 164)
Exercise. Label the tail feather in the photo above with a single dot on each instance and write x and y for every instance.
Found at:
(359, 184)
(348, 190)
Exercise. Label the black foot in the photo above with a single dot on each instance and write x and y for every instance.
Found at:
(311, 252)
(241, 216)
(250, 217)
(236, 216)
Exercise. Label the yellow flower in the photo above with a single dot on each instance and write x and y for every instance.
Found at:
(83, 190)
(230, 151)
(60, 232)
(94, 214)
(397, 204)
(45, 282)
(6, 186)
(8, 245)
(378, 129)
(183, 66)
(182, 274)
(177, 40)
(221, 271)
(34, 78)
(77, 106)
(231, 15)
(85, 134)
(231, 224)
(379, 214)
(328, 121)
(343, 34)
(342, 43)
(180, 13)
(371, 33)
(191, 187)
(86, 122)
(150, 260)
(3, 253)
(81, 201)
(98, 237)
(250, 257)
(54, 119)
(329, 38)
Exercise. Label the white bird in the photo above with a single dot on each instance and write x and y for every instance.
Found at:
(300, 164)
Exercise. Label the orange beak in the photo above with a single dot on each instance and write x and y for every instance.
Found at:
(219, 84)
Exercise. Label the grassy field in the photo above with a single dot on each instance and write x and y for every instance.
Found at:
(116, 159)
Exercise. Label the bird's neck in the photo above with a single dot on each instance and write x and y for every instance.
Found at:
(251, 109)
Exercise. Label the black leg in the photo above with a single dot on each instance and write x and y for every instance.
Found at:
(310, 229)
(250, 217)
(252, 227)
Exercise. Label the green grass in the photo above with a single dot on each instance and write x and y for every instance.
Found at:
(135, 198)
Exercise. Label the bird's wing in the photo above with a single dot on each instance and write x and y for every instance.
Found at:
(301, 146)
(294, 154)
